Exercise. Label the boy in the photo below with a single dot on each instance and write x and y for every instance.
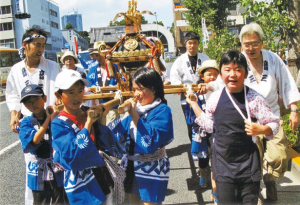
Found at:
(44, 177)
(77, 139)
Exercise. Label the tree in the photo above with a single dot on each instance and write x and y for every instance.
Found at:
(214, 12)
(279, 20)
(69, 26)
(122, 22)
(159, 23)
(84, 34)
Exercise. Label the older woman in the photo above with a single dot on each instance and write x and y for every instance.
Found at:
(69, 60)
(269, 76)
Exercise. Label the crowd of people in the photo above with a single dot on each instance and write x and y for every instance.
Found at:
(73, 157)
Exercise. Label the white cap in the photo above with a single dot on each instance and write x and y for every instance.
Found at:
(65, 79)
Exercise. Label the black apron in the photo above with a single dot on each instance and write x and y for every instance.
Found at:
(235, 156)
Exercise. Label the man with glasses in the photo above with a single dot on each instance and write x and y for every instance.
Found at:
(33, 69)
(269, 76)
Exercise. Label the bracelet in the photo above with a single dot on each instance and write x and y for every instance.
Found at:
(295, 110)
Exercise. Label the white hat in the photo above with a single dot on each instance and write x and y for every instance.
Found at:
(209, 64)
(100, 45)
(65, 79)
(68, 53)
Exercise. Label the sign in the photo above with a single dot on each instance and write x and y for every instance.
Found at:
(179, 7)
(67, 45)
(182, 23)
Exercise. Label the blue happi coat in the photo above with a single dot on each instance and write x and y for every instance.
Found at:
(154, 130)
(77, 154)
(199, 145)
(40, 166)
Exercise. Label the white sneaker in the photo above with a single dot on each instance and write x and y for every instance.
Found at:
(195, 158)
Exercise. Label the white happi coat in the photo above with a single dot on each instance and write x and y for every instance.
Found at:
(182, 72)
(16, 82)
(276, 77)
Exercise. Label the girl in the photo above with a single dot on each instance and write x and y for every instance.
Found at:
(230, 114)
(145, 130)
(77, 139)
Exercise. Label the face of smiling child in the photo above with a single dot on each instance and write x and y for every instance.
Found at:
(233, 75)
(143, 95)
(72, 98)
(209, 75)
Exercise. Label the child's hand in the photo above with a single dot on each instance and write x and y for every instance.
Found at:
(94, 113)
(253, 129)
(203, 88)
(190, 101)
(52, 111)
(133, 103)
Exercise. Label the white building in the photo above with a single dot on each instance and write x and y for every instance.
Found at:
(44, 13)
(69, 41)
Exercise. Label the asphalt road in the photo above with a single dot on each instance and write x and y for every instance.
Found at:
(183, 188)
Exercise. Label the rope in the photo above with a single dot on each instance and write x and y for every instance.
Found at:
(159, 154)
(118, 176)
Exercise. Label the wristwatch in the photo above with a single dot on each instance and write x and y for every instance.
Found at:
(295, 110)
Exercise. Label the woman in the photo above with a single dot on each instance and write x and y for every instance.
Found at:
(145, 130)
(69, 60)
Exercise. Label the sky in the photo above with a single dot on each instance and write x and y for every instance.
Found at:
(98, 13)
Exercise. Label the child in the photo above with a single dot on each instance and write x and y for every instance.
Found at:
(208, 72)
(145, 130)
(230, 113)
(76, 140)
(44, 178)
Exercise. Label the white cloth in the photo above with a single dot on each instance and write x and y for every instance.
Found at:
(16, 82)
(78, 69)
(182, 72)
(278, 79)
(166, 74)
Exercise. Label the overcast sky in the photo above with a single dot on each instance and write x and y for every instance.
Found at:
(98, 13)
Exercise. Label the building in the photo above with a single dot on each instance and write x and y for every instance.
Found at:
(69, 41)
(110, 35)
(181, 25)
(44, 13)
(74, 18)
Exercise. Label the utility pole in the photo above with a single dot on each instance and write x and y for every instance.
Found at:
(156, 25)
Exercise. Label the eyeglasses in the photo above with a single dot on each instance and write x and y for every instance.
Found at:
(254, 44)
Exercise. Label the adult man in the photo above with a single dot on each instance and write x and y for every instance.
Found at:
(185, 68)
(97, 75)
(88, 65)
(34, 69)
(269, 76)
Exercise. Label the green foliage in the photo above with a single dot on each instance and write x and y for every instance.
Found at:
(221, 43)
(292, 137)
(122, 22)
(84, 34)
(69, 26)
(159, 23)
(274, 20)
(214, 12)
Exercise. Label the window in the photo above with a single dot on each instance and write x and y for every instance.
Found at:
(5, 10)
(6, 26)
(54, 25)
(43, 20)
(42, 8)
(53, 13)
(10, 43)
